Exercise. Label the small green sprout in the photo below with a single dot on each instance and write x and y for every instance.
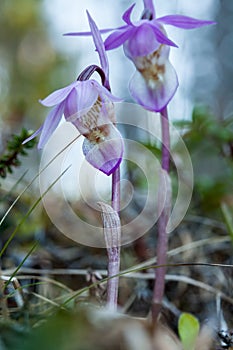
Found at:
(188, 328)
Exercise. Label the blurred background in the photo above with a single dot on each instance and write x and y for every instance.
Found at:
(36, 59)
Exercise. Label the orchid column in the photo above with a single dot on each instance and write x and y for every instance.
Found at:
(88, 105)
(153, 85)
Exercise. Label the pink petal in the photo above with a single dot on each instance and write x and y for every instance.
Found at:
(50, 124)
(83, 97)
(154, 95)
(104, 93)
(127, 14)
(147, 63)
(71, 106)
(184, 21)
(99, 46)
(118, 38)
(94, 118)
(102, 31)
(57, 96)
(160, 36)
(87, 93)
(80, 100)
(142, 42)
(107, 155)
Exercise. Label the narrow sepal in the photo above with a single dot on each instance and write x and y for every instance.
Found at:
(184, 22)
(99, 46)
(50, 124)
(127, 14)
(117, 38)
(148, 5)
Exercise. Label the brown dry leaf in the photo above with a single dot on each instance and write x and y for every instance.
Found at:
(132, 333)
(165, 339)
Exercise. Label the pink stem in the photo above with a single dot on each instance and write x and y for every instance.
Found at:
(113, 283)
(165, 141)
(114, 252)
(162, 241)
(116, 190)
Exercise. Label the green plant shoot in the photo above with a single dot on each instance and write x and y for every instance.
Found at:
(188, 328)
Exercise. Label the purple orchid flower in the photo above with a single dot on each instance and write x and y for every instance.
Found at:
(148, 27)
(155, 82)
(145, 42)
(89, 107)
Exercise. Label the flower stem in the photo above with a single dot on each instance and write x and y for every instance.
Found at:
(114, 252)
(116, 190)
(165, 141)
(162, 241)
(113, 283)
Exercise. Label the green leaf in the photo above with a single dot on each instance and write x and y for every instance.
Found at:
(188, 328)
(14, 148)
